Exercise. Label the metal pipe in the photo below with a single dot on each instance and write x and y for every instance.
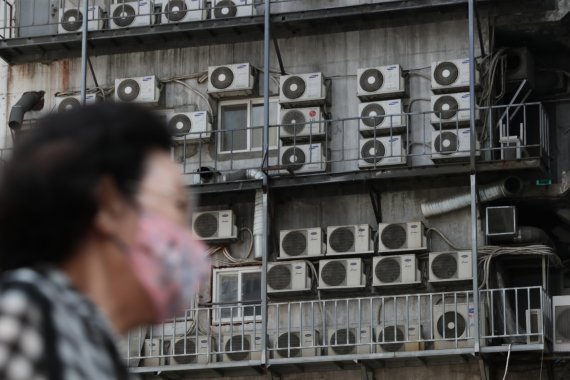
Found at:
(242, 174)
(84, 51)
(29, 100)
(258, 226)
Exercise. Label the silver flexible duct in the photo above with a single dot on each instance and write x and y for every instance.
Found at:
(258, 225)
(243, 174)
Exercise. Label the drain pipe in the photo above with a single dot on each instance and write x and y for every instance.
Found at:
(31, 100)
(503, 189)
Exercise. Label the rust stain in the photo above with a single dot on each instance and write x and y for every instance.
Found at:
(65, 74)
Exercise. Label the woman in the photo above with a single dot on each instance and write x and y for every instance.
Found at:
(93, 242)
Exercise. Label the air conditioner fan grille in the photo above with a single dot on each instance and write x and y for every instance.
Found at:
(342, 239)
(394, 236)
(175, 10)
(451, 325)
(294, 87)
(124, 15)
(128, 90)
(344, 340)
(446, 107)
(373, 151)
(188, 356)
(391, 334)
(294, 243)
(225, 8)
(444, 266)
(222, 77)
(446, 73)
(371, 80)
(289, 340)
(206, 225)
(72, 20)
(334, 273)
(388, 270)
(279, 277)
(237, 343)
(373, 115)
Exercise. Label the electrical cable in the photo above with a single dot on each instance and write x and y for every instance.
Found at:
(507, 365)
(445, 239)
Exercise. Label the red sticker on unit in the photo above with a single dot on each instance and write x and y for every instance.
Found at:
(312, 113)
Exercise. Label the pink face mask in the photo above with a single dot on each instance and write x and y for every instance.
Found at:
(169, 262)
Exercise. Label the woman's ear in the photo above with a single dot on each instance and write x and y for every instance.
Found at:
(111, 207)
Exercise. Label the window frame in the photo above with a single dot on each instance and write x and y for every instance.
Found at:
(216, 312)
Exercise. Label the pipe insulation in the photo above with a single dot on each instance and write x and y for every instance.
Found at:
(258, 227)
(503, 189)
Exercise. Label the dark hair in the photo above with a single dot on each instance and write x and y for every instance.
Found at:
(47, 203)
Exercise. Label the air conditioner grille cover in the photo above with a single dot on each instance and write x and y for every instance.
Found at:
(446, 73)
(225, 8)
(342, 239)
(373, 151)
(293, 158)
(124, 15)
(563, 322)
(279, 277)
(222, 77)
(286, 340)
(451, 325)
(446, 107)
(444, 266)
(446, 143)
(371, 80)
(294, 122)
(294, 243)
(72, 20)
(333, 273)
(206, 225)
(373, 115)
(237, 343)
(128, 90)
(175, 10)
(180, 125)
(294, 87)
(391, 334)
(68, 104)
(388, 270)
(190, 356)
(345, 341)
(394, 236)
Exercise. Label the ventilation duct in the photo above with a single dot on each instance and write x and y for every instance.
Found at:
(240, 175)
(32, 100)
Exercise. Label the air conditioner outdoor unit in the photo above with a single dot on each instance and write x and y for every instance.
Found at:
(288, 277)
(190, 127)
(183, 11)
(451, 110)
(303, 158)
(356, 238)
(380, 82)
(520, 66)
(451, 76)
(240, 347)
(306, 242)
(348, 341)
(452, 145)
(71, 18)
(395, 270)
(401, 237)
(382, 118)
(231, 80)
(153, 353)
(233, 8)
(138, 90)
(302, 90)
(341, 274)
(381, 152)
(453, 325)
(534, 325)
(214, 225)
(296, 344)
(395, 338)
(192, 350)
(302, 124)
(126, 15)
(67, 103)
(561, 323)
(450, 266)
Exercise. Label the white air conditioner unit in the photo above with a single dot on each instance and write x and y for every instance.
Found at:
(71, 18)
(349, 341)
(296, 344)
(395, 270)
(144, 90)
(240, 347)
(453, 325)
(450, 266)
(451, 76)
(306, 242)
(382, 118)
(126, 15)
(67, 103)
(452, 145)
(302, 124)
(534, 325)
(192, 350)
(153, 353)
(396, 338)
(214, 225)
(302, 90)
(231, 80)
(350, 239)
(451, 110)
(401, 237)
(288, 277)
(380, 82)
(561, 321)
(183, 11)
(303, 158)
(381, 152)
(341, 274)
(189, 127)
(232, 8)
(510, 148)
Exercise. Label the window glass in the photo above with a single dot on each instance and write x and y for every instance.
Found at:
(233, 118)
(227, 293)
(251, 291)
(257, 121)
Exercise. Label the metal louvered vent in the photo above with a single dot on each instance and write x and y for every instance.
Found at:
(446, 143)
(180, 125)
(373, 115)
(68, 104)
(225, 8)
(371, 80)
(388, 270)
(446, 107)
(72, 20)
(294, 87)
(289, 340)
(222, 77)
(237, 343)
(128, 90)
(206, 225)
(373, 151)
(334, 273)
(293, 122)
(562, 323)
(391, 334)
(444, 266)
(293, 158)
(294, 243)
(446, 73)
(342, 239)
(124, 15)
(279, 277)
(394, 236)
(345, 340)
(451, 325)
(175, 10)
(186, 348)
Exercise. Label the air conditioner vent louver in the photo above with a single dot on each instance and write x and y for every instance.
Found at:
(237, 343)
(333, 273)
(446, 107)
(72, 20)
(289, 340)
(451, 325)
(124, 15)
(371, 80)
(444, 266)
(391, 334)
(293, 158)
(175, 10)
(342, 239)
(394, 236)
(206, 225)
(222, 77)
(373, 115)
(191, 349)
(373, 151)
(68, 104)
(279, 277)
(294, 87)
(389, 271)
(446, 73)
(128, 90)
(563, 323)
(447, 143)
(343, 342)
(225, 8)
(294, 122)
(294, 243)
